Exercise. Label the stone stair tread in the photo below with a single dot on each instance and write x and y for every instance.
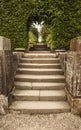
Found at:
(37, 54)
(40, 106)
(39, 64)
(23, 83)
(52, 93)
(29, 55)
(36, 69)
(39, 93)
(40, 58)
(26, 93)
(39, 86)
(40, 76)
(39, 51)
(48, 84)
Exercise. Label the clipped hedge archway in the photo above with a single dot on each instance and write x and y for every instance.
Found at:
(16, 16)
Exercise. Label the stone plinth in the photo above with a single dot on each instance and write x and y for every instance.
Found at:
(3, 104)
(75, 103)
(5, 43)
(75, 44)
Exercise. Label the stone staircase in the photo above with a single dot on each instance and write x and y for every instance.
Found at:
(39, 84)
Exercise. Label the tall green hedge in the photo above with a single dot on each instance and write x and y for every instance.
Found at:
(14, 15)
(64, 21)
(64, 18)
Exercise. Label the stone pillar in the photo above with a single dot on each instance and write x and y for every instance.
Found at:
(6, 65)
(73, 75)
(6, 72)
(75, 44)
(0, 74)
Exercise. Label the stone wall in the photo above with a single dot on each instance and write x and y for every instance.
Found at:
(0, 73)
(71, 64)
(73, 73)
(8, 65)
(75, 44)
(73, 81)
(8, 73)
(63, 58)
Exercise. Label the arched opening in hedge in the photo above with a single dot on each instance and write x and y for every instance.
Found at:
(62, 20)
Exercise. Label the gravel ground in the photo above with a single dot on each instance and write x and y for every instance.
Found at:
(63, 121)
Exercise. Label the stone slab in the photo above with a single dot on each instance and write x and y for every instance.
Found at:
(40, 60)
(3, 104)
(48, 86)
(75, 44)
(5, 43)
(26, 95)
(39, 71)
(19, 49)
(75, 103)
(23, 85)
(40, 78)
(37, 55)
(33, 65)
(52, 95)
(39, 52)
(40, 107)
(39, 86)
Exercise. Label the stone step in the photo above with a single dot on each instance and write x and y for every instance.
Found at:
(39, 95)
(39, 86)
(41, 49)
(39, 52)
(40, 106)
(41, 46)
(33, 65)
(52, 95)
(37, 55)
(39, 71)
(40, 60)
(40, 78)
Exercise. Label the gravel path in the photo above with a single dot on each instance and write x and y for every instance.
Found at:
(63, 121)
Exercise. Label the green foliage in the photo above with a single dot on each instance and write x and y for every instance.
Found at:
(14, 15)
(32, 38)
(33, 35)
(35, 32)
(62, 18)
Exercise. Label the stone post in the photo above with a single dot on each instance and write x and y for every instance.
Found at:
(6, 65)
(73, 75)
(6, 72)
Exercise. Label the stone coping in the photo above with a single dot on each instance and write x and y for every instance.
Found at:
(20, 49)
(5, 43)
